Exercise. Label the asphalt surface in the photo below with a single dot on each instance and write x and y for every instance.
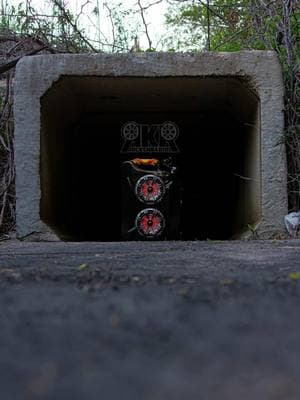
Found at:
(153, 321)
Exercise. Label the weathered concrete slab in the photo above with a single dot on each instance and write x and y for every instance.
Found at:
(260, 69)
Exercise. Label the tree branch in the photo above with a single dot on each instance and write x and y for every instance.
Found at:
(145, 24)
(11, 64)
(73, 25)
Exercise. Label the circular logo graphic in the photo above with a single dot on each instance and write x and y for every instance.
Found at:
(130, 130)
(169, 130)
(150, 189)
(150, 223)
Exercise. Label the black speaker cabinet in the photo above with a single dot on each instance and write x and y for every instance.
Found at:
(151, 200)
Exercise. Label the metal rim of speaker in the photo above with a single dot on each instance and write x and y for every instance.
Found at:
(150, 189)
(150, 223)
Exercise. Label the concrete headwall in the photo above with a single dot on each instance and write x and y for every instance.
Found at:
(259, 71)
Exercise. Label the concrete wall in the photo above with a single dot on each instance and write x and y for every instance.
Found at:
(40, 122)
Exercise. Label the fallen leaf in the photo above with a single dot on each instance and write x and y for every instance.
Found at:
(295, 276)
(83, 266)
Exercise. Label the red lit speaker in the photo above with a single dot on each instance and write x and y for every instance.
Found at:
(151, 200)
(150, 223)
(150, 189)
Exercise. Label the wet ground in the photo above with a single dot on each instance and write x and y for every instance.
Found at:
(153, 321)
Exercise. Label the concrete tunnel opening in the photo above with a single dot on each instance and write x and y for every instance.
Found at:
(219, 152)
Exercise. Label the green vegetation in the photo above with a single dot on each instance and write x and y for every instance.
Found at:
(193, 25)
(222, 25)
(230, 25)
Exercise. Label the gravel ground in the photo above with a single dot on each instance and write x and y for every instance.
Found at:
(150, 321)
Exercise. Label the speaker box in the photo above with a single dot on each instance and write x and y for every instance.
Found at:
(151, 200)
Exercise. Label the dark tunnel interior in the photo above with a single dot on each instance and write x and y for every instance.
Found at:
(218, 155)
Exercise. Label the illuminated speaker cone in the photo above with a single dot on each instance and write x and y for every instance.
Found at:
(150, 222)
(150, 189)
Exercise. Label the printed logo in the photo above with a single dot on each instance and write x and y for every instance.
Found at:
(149, 138)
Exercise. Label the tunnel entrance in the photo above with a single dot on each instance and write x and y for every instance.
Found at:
(218, 159)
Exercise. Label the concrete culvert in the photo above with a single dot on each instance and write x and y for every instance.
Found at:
(69, 110)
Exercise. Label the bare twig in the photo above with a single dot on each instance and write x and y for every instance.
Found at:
(73, 25)
(7, 196)
(211, 10)
(145, 8)
(208, 24)
(81, 11)
(142, 12)
(112, 25)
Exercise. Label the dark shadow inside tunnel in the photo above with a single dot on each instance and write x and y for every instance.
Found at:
(218, 159)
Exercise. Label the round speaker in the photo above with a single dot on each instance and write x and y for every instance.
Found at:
(150, 223)
(150, 189)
